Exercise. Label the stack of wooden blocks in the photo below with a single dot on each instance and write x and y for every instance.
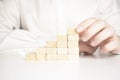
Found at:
(61, 49)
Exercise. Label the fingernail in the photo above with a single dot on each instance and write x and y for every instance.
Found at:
(93, 44)
(79, 29)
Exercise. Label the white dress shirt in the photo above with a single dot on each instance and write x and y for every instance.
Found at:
(29, 23)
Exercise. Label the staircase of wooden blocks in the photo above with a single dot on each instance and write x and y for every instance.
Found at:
(65, 47)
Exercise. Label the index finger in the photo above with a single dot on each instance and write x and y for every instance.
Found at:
(85, 24)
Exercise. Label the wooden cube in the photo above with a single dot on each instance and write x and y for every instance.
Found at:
(62, 51)
(30, 56)
(73, 51)
(51, 44)
(73, 44)
(41, 57)
(51, 57)
(63, 57)
(73, 37)
(74, 58)
(71, 31)
(51, 51)
(62, 44)
(62, 37)
(40, 51)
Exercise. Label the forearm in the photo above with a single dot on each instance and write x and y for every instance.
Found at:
(18, 39)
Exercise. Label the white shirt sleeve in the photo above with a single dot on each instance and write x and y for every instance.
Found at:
(11, 37)
(109, 10)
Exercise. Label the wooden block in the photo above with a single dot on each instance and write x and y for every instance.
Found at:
(40, 51)
(71, 31)
(62, 37)
(62, 51)
(51, 44)
(41, 57)
(51, 57)
(30, 56)
(62, 44)
(51, 51)
(74, 58)
(62, 57)
(73, 44)
(73, 51)
(73, 37)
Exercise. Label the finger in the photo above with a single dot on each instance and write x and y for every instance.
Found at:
(85, 24)
(109, 47)
(93, 30)
(85, 48)
(102, 36)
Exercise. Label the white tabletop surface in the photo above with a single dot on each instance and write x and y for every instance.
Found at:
(14, 67)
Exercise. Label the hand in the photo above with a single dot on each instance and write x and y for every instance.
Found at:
(97, 33)
(86, 48)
